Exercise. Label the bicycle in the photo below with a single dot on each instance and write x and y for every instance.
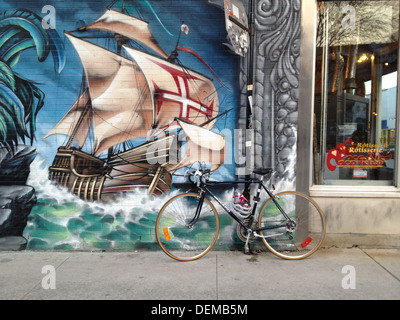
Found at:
(291, 225)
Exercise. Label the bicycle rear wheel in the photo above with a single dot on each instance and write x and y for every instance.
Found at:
(292, 242)
(178, 235)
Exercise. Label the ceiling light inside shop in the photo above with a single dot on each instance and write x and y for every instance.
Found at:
(363, 58)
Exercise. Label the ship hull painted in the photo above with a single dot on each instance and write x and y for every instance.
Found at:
(91, 179)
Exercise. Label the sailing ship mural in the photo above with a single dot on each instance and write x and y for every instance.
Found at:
(140, 115)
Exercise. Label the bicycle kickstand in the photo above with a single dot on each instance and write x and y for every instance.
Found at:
(246, 245)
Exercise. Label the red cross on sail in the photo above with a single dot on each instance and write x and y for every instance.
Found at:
(183, 97)
(177, 92)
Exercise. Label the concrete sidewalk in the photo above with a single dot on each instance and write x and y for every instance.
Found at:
(330, 273)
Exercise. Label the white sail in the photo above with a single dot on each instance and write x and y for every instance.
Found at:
(202, 145)
(128, 98)
(122, 107)
(128, 26)
(177, 92)
(71, 119)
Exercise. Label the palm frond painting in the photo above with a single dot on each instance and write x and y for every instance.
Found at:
(20, 98)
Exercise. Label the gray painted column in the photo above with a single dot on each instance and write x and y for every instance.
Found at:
(275, 95)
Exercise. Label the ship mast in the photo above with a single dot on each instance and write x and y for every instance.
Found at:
(121, 40)
(174, 54)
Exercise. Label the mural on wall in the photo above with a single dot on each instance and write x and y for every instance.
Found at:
(138, 116)
(147, 97)
(135, 104)
(20, 101)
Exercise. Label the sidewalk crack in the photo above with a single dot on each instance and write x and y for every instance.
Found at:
(40, 282)
(382, 266)
(216, 275)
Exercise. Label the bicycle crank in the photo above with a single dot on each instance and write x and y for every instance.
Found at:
(242, 232)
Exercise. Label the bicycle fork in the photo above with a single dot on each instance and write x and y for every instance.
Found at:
(198, 210)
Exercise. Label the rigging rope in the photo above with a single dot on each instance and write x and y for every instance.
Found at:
(202, 60)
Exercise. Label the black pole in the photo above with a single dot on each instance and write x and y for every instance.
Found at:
(249, 113)
(250, 66)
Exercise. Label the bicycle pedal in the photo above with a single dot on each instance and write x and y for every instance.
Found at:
(246, 249)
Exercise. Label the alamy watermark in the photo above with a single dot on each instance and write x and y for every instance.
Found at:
(349, 280)
(216, 147)
(349, 19)
(49, 21)
(49, 280)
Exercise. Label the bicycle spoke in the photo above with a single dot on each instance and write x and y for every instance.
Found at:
(180, 239)
(297, 239)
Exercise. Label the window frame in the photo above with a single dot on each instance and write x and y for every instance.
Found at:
(305, 161)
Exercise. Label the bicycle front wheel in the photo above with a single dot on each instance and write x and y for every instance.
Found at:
(292, 241)
(182, 235)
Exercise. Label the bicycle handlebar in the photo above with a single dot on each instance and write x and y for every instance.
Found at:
(199, 176)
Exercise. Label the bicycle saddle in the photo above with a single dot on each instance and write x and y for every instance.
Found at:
(262, 171)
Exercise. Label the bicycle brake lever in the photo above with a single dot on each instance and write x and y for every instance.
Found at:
(199, 174)
(186, 174)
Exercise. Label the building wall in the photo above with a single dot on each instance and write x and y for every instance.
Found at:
(280, 136)
(361, 221)
(53, 218)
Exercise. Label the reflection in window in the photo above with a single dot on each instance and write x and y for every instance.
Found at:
(356, 92)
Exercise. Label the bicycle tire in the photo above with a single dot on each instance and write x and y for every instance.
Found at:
(308, 234)
(174, 236)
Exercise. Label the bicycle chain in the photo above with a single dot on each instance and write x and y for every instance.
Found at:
(242, 232)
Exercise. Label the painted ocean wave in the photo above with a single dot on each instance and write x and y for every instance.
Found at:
(63, 221)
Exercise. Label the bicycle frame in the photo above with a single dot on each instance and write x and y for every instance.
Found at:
(290, 224)
(202, 186)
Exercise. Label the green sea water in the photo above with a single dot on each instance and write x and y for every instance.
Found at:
(62, 221)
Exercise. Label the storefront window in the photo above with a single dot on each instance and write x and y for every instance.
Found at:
(355, 127)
